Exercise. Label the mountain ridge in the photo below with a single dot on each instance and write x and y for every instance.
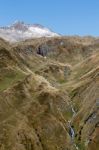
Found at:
(20, 31)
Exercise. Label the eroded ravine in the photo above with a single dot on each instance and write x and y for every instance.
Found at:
(71, 128)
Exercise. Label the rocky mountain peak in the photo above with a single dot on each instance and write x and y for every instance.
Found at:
(19, 31)
(19, 25)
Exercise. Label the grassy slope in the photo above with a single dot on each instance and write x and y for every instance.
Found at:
(38, 107)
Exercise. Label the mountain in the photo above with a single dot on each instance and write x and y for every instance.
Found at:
(20, 31)
(49, 93)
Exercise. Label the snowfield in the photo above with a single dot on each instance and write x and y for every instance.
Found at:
(20, 31)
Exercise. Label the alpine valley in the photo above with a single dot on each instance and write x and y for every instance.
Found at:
(49, 89)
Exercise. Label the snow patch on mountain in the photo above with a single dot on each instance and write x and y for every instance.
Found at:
(20, 31)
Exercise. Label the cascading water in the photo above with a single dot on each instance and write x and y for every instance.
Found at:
(71, 128)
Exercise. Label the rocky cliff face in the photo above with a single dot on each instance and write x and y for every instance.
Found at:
(49, 94)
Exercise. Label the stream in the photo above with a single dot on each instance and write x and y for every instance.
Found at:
(71, 128)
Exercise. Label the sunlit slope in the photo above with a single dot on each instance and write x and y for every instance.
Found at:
(49, 94)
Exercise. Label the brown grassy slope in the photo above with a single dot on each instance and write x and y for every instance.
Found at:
(34, 116)
(30, 108)
(35, 106)
(66, 49)
(85, 99)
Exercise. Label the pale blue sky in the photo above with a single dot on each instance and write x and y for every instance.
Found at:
(69, 17)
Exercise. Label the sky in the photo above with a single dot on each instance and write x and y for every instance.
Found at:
(67, 17)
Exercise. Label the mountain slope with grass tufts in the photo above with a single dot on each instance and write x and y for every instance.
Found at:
(49, 93)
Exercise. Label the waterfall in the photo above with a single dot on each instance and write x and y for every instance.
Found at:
(71, 129)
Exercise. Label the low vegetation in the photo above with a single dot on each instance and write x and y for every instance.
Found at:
(49, 94)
